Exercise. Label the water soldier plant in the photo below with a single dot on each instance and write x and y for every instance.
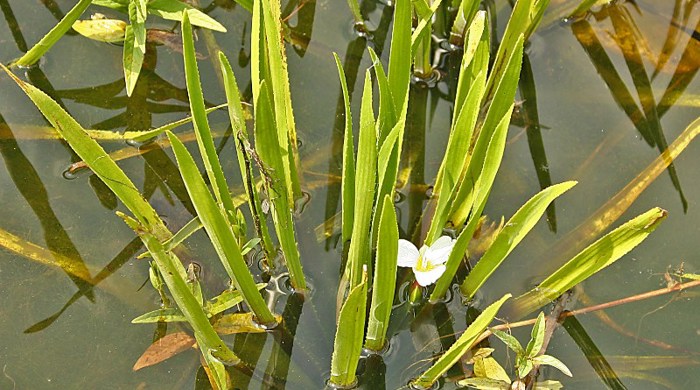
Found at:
(367, 317)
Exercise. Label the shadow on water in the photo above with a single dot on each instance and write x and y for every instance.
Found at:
(296, 355)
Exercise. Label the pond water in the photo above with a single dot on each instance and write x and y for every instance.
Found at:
(589, 98)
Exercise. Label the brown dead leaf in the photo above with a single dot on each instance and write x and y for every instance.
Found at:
(164, 348)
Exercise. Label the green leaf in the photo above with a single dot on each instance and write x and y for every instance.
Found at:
(348, 337)
(594, 258)
(524, 366)
(501, 106)
(243, 151)
(226, 300)
(205, 141)
(400, 53)
(384, 282)
(175, 10)
(189, 229)
(48, 40)
(219, 232)
(387, 110)
(248, 246)
(347, 185)
(234, 323)
(548, 385)
(168, 314)
(103, 30)
(365, 182)
(510, 341)
(421, 28)
(119, 5)
(449, 175)
(461, 346)
(134, 44)
(488, 367)
(510, 236)
(268, 149)
(492, 162)
(464, 17)
(274, 68)
(552, 361)
(537, 337)
(149, 226)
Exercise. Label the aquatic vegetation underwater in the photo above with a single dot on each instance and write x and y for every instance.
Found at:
(448, 243)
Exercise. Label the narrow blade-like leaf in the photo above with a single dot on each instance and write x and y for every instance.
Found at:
(348, 337)
(597, 256)
(219, 231)
(461, 346)
(347, 184)
(384, 282)
(510, 236)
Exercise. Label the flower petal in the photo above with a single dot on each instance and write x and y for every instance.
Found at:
(439, 252)
(408, 254)
(426, 278)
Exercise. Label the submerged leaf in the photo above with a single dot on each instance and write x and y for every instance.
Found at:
(163, 349)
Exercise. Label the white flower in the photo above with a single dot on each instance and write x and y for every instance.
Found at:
(428, 263)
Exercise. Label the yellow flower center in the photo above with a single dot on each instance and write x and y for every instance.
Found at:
(423, 264)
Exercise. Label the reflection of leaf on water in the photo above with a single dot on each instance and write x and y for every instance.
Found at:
(685, 72)
(633, 46)
(299, 34)
(32, 189)
(13, 26)
(587, 37)
(609, 212)
(626, 37)
(528, 92)
(672, 37)
(593, 355)
(119, 260)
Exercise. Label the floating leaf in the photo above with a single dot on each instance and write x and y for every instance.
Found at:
(103, 30)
